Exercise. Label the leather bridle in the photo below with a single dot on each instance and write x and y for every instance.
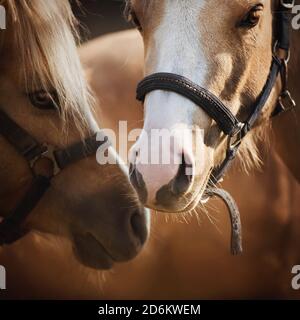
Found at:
(232, 127)
(12, 226)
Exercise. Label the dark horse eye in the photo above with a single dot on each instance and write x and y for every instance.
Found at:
(136, 21)
(131, 16)
(44, 100)
(252, 17)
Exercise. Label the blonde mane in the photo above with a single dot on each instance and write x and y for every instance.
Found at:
(44, 37)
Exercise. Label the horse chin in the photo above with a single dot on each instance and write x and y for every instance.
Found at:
(200, 196)
(196, 197)
(91, 253)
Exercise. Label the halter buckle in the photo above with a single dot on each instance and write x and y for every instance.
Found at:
(48, 152)
(280, 53)
(286, 101)
(235, 139)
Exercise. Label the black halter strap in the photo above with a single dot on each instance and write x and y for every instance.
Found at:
(18, 137)
(213, 106)
(234, 141)
(11, 227)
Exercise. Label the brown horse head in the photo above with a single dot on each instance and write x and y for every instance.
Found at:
(42, 89)
(225, 48)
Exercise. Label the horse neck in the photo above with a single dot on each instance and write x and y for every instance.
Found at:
(287, 126)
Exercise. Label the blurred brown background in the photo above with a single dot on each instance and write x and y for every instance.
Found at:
(100, 16)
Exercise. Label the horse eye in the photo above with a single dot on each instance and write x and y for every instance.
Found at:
(132, 17)
(252, 17)
(44, 100)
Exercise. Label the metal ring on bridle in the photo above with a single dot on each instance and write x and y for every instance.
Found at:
(275, 52)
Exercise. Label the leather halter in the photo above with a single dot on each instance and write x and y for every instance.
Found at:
(11, 228)
(231, 126)
(215, 108)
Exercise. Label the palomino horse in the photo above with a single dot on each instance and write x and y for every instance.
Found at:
(210, 69)
(188, 261)
(44, 99)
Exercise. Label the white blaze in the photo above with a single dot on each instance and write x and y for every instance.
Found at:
(176, 47)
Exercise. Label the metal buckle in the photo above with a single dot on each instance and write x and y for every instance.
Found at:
(288, 4)
(49, 153)
(235, 139)
(286, 96)
(275, 52)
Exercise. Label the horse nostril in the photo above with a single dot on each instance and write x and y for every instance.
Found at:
(139, 226)
(184, 177)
